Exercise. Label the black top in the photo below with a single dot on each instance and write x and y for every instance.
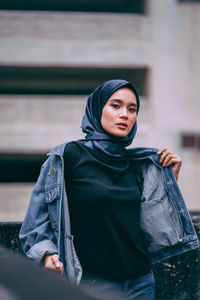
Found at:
(104, 205)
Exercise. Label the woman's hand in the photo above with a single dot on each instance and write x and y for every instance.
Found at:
(51, 261)
(169, 158)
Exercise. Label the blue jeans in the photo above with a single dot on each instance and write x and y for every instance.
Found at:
(141, 288)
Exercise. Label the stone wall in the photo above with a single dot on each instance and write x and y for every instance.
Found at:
(177, 278)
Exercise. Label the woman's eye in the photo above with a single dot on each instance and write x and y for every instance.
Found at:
(115, 105)
(131, 109)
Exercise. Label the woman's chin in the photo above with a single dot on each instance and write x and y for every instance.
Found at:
(119, 134)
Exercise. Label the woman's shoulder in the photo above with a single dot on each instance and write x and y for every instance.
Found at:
(65, 147)
(72, 153)
(72, 148)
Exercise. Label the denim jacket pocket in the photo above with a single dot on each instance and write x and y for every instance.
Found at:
(52, 197)
(161, 223)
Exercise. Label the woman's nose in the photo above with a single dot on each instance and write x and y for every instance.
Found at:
(123, 113)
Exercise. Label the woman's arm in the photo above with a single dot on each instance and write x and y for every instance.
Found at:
(172, 159)
(37, 236)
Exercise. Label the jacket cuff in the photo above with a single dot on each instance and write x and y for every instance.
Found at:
(39, 250)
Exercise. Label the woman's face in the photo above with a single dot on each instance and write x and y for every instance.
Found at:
(119, 113)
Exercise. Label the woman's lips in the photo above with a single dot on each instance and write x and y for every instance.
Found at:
(122, 125)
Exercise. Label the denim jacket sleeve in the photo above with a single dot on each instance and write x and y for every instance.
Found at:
(37, 234)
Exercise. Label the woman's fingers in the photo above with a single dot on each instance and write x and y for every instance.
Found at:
(57, 264)
(52, 262)
(165, 155)
(168, 158)
(48, 262)
(162, 150)
(172, 159)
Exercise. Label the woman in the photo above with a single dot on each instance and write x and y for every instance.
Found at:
(105, 209)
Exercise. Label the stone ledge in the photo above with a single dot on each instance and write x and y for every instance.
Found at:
(9, 235)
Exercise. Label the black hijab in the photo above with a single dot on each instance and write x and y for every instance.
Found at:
(91, 122)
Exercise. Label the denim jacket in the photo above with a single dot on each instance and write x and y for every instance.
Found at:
(164, 217)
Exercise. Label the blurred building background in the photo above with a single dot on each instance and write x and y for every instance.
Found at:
(53, 55)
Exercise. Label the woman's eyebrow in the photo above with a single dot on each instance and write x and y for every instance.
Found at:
(120, 101)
